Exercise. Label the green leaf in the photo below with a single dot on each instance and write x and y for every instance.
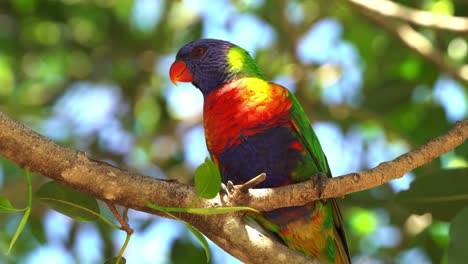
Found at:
(19, 229)
(25, 217)
(197, 234)
(37, 229)
(200, 238)
(69, 202)
(442, 192)
(6, 207)
(207, 179)
(114, 260)
(191, 251)
(202, 211)
(457, 251)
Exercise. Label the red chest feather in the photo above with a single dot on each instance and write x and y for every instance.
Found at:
(243, 108)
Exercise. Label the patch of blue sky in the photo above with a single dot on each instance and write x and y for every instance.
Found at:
(215, 12)
(222, 21)
(319, 43)
(347, 88)
(2, 175)
(386, 236)
(380, 150)
(184, 101)
(219, 255)
(382, 215)
(354, 143)
(366, 258)
(250, 32)
(195, 146)
(376, 151)
(453, 98)
(286, 81)
(342, 151)
(152, 170)
(57, 228)
(295, 12)
(323, 44)
(395, 149)
(153, 245)
(88, 246)
(146, 14)
(55, 129)
(115, 139)
(163, 65)
(403, 183)
(414, 255)
(88, 107)
(48, 254)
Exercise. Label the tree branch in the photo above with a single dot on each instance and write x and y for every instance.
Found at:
(106, 182)
(417, 17)
(302, 193)
(412, 39)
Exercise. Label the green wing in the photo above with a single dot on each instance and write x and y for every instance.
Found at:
(307, 136)
(308, 139)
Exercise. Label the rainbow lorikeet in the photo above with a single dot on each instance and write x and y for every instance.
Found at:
(254, 126)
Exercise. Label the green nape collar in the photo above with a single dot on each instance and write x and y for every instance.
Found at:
(240, 63)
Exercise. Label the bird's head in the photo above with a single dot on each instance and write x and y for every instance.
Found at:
(209, 63)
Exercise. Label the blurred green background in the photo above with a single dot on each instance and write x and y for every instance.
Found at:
(93, 75)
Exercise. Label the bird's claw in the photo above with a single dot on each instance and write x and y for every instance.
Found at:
(320, 179)
(228, 189)
(239, 191)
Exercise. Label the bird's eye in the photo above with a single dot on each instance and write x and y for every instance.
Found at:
(198, 51)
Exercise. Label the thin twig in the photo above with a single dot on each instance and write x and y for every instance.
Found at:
(123, 223)
(418, 43)
(125, 214)
(251, 183)
(417, 17)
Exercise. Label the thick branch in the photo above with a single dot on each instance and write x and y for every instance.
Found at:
(101, 180)
(414, 16)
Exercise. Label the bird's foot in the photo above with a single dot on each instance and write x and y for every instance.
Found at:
(239, 192)
(320, 179)
(227, 189)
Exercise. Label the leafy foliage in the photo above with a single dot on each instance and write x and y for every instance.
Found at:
(115, 261)
(201, 239)
(68, 201)
(192, 252)
(27, 211)
(443, 193)
(6, 207)
(207, 179)
(457, 252)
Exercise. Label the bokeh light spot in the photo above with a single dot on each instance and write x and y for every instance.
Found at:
(363, 221)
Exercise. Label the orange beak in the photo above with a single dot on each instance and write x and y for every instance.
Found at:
(179, 72)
